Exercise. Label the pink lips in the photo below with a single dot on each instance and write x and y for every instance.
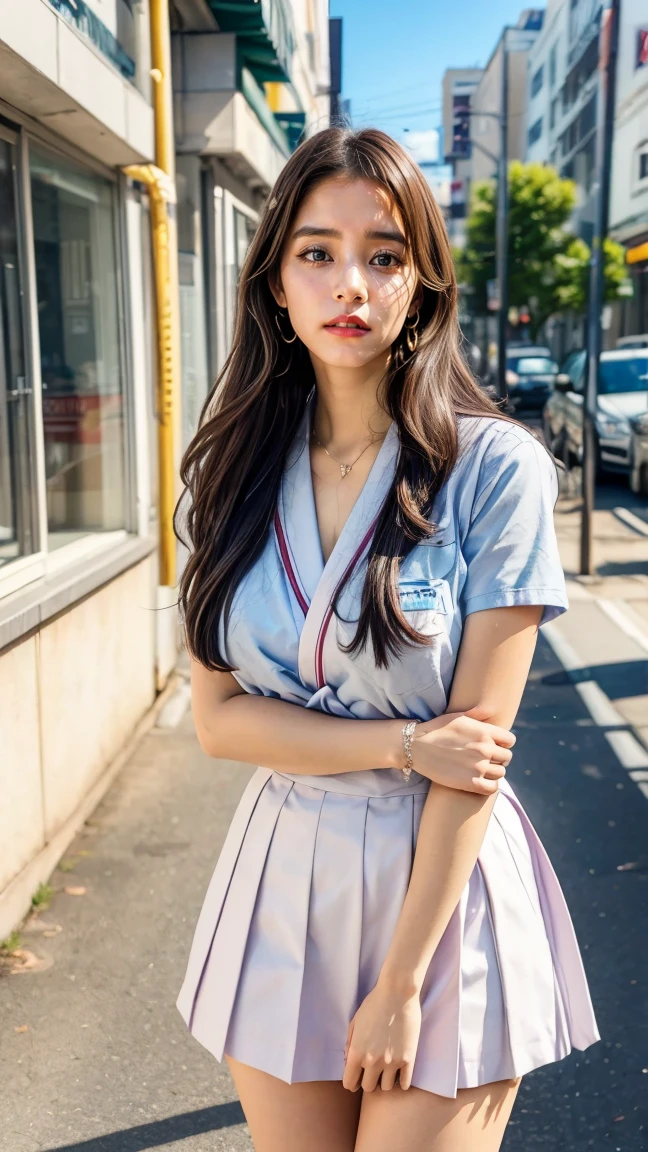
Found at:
(346, 319)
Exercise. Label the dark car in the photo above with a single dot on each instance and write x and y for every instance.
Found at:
(530, 377)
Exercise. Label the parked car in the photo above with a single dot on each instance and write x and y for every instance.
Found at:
(640, 341)
(639, 454)
(622, 397)
(530, 376)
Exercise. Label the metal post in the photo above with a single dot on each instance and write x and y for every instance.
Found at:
(502, 225)
(608, 44)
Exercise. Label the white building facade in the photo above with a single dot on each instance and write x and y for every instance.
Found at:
(629, 191)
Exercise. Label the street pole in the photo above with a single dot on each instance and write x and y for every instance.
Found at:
(502, 225)
(608, 46)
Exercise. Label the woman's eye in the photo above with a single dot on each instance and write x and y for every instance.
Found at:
(315, 253)
(388, 256)
(321, 256)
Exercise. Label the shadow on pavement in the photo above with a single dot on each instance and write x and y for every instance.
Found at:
(622, 679)
(160, 1132)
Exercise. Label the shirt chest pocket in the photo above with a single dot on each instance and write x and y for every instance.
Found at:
(427, 607)
(425, 592)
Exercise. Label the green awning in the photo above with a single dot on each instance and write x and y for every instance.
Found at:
(264, 35)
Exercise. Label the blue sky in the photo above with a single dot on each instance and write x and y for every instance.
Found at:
(394, 54)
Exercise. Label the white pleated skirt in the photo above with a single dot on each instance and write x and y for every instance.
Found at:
(301, 910)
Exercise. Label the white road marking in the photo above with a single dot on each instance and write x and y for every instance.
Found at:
(634, 522)
(624, 622)
(599, 706)
(630, 753)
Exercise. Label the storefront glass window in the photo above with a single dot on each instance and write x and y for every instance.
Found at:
(83, 397)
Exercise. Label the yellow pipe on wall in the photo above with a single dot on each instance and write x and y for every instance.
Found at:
(159, 178)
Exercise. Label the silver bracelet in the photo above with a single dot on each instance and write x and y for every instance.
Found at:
(408, 732)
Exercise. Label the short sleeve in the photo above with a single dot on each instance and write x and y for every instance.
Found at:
(510, 548)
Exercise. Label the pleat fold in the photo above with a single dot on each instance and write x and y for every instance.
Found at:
(217, 987)
(329, 990)
(210, 911)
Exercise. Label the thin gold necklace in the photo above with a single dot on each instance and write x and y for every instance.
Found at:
(346, 468)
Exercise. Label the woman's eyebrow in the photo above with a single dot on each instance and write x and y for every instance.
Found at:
(370, 234)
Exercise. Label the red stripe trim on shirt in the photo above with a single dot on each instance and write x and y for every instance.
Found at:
(287, 563)
(319, 647)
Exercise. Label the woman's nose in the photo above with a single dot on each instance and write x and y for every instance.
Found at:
(352, 284)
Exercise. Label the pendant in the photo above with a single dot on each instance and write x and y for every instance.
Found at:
(344, 468)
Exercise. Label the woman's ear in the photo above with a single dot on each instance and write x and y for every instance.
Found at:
(274, 283)
(417, 300)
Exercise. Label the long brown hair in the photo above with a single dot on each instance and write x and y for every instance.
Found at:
(232, 467)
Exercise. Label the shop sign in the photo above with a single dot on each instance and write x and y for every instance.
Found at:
(75, 418)
(77, 13)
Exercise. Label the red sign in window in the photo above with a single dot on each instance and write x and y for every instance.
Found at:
(81, 419)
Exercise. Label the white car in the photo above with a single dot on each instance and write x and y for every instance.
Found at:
(622, 398)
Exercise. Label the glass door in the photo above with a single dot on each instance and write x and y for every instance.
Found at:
(16, 526)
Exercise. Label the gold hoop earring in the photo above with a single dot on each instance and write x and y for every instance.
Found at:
(411, 334)
(285, 340)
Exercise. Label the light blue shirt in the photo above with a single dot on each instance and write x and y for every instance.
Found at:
(496, 546)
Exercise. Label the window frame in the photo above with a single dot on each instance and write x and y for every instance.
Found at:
(43, 562)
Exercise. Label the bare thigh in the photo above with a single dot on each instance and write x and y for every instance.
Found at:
(419, 1121)
(320, 1115)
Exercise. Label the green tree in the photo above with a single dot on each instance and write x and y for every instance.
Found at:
(548, 266)
(573, 271)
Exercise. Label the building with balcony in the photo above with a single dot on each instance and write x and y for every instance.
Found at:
(249, 80)
(82, 649)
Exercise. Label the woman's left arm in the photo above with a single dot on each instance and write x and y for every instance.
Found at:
(491, 671)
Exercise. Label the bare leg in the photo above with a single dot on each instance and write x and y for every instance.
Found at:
(319, 1115)
(419, 1121)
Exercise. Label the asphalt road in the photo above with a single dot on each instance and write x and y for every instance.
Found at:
(592, 819)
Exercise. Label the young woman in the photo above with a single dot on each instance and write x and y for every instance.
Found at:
(372, 551)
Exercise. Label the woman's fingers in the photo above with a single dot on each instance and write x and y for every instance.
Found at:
(501, 736)
(388, 1078)
(484, 786)
(405, 1074)
(372, 1071)
(352, 1071)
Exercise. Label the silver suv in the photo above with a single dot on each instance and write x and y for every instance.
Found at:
(622, 397)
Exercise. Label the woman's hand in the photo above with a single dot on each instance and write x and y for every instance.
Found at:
(460, 751)
(382, 1039)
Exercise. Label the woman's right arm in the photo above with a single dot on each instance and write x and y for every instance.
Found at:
(232, 724)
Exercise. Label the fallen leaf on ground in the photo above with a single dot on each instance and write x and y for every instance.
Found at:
(75, 891)
(22, 1028)
(28, 962)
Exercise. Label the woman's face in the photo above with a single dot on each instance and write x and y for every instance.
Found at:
(345, 256)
